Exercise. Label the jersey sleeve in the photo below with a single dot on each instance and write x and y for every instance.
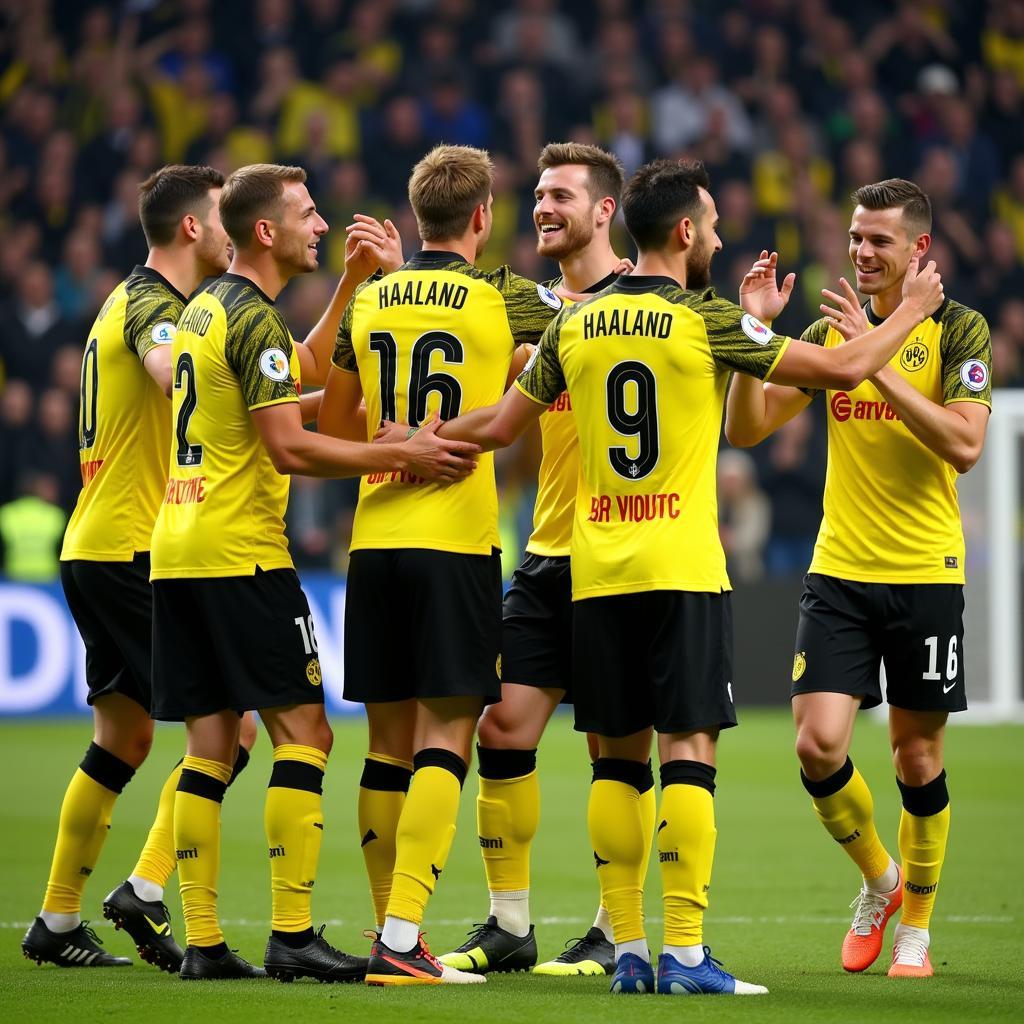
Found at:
(966, 349)
(815, 334)
(151, 319)
(344, 357)
(530, 307)
(740, 341)
(259, 350)
(542, 378)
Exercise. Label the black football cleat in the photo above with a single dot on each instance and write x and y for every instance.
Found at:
(591, 955)
(149, 926)
(80, 947)
(492, 950)
(197, 966)
(317, 959)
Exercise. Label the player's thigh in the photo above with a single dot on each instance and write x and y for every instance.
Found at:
(518, 720)
(824, 729)
(924, 647)
(918, 744)
(123, 727)
(838, 647)
(448, 723)
(303, 725)
(636, 747)
(391, 726)
(214, 736)
(699, 745)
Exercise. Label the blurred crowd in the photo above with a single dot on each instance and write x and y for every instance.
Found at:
(790, 103)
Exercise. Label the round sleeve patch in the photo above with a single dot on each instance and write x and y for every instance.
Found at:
(974, 374)
(755, 330)
(274, 364)
(548, 297)
(163, 334)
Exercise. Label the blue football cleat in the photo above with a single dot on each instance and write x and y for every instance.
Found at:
(707, 978)
(633, 975)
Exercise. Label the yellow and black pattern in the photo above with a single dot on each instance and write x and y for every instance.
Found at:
(344, 354)
(966, 350)
(151, 313)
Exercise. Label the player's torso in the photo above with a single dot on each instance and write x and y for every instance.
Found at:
(557, 481)
(224, 503)
(429, 341)
(890, 505)
(123, 426)
(647, 398)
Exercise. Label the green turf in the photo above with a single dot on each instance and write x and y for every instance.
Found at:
(778, 904)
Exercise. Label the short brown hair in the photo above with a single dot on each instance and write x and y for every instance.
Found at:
(171, 192)
(605, 176)
(446, 186)
(254, 193)
(898, 194)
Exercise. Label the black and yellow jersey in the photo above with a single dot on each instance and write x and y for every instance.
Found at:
(435, 336)
(558, 476)
(123, 422)
(646, 364)
(891, 513)
(224, 503)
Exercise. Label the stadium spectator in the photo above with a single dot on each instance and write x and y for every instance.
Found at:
(31, 527)
(744, 515)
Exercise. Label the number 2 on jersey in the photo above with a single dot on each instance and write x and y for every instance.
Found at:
(421, 381)
(185, 378)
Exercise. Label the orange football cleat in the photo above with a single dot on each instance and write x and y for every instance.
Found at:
(910, 954)
(871, 913)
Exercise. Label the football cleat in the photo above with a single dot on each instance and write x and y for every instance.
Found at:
(633, 976)
(593, 954)
(80, 947)
(871, 913)
(317, 959)
(706, 979)
(492, 949)
(418, 966)
(197, 966)
(910, 954)
(149, 926)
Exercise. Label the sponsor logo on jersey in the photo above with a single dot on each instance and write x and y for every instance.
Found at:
(548, 297)
(914, 356)
(843, 407)
(274, 364)
(755, 330)
(163, 334)
(799, 664)
(974, 375)
(313, 673)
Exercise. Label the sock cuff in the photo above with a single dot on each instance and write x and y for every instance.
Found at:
(688, 773)
(505, 764)
(106, 768)
(215, 769)
(391, 776)
(619, 769)
(831, 785)
(398, 762)
(312, 756)
(296, 775)
(240, 764)
(204, 778)
(648, 782)
(924, 801)
(438, 757)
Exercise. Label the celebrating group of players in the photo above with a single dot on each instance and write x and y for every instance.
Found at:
(176, 567)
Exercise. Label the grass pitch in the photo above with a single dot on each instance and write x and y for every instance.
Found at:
(778, 903)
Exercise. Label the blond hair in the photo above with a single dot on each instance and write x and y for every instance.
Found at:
(446, 186)
(605, 176)
(254, 193)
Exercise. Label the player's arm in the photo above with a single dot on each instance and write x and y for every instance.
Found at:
(520, 357)
(309, 406)
(149, 330)
(342, 413)
(157, 363)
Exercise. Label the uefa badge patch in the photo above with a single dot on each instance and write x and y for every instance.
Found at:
(163, 334)
(974, 374)
(274, 364)
(548, 297)
(755, 330)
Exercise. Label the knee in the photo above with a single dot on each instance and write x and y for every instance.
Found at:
(323, 737)
(820, 754)
(917, 760)
(247, 731)
(497, 733)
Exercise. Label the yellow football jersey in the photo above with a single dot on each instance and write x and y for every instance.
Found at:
(123, 422)
(646, 365)
(435, 336)
(558, 476)
(891, 513)
(224, 504)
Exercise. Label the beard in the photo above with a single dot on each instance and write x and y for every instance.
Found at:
(698, 268)
(576, 235)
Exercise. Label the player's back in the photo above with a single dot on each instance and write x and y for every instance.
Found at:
(223, 510)
(123, 422)
(435, 337)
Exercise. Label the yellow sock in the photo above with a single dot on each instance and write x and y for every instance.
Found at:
(648, 821)
(686, 848)
(844, 806)
(425, 831)
(507, 816)
(84, 822)
(156, 861)
(294, 822)
(924, 828)
(382, 789)
(614, 822)
(197, 845)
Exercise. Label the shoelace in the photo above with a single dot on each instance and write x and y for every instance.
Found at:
(910, 951)
(715, 965)
(473, 935)
(424, 952)
(868, 910)
(584, 943)
(92, 935)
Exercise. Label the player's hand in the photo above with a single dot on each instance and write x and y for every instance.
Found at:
(923, 288)
(845, 314)
(760, 294)
(370, 244)
(390, 432)
(624, 266)
(436, 458)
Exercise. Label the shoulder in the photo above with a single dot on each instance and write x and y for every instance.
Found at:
(521, 289)
(955, 316)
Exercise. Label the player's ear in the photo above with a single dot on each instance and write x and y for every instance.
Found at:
(605, 210)
(264, 233)
(479, 218)
(922, 245)
(190, 225)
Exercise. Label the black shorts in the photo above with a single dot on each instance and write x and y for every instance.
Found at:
(422, 623)
(112, 605)
(847, 630)
(536, 628)
(237, 643)
(661, 658)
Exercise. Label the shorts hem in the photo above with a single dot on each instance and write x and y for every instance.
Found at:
(867, 700)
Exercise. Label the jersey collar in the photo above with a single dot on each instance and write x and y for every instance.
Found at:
(434, 258)
(248, 281)
(605, 282)
(643, 283)
(155, 275)
(875, 320)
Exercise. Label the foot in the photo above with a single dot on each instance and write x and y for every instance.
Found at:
(633, 975)
(492, 949)
(871, 913)
(80, 947)
(197, 966)
(591, 955)
(416, 967)
(317, 959)
(910, 954)
(706, 979)
(149, 926)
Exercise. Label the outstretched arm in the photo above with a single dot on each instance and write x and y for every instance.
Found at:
(498, 425)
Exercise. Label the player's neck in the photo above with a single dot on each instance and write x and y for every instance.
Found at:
(261, 270)
(582, 270)
(179, 269)
(464, 247)
(884, 303)
(656, 264)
